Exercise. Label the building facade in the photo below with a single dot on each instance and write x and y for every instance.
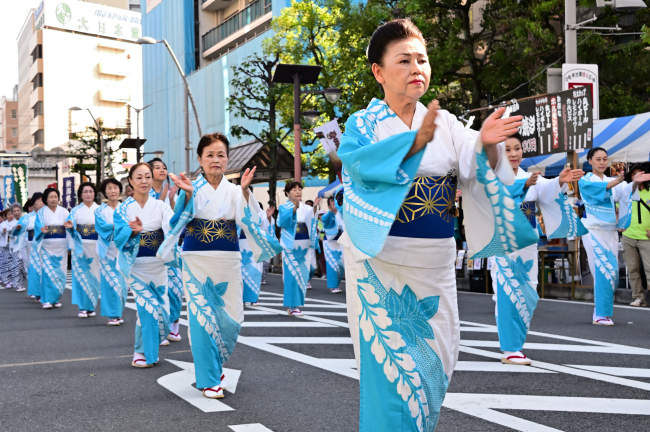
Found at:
(208, 37)
(9, 123)
(78, 54)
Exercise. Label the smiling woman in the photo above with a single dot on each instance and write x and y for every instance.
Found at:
(399, 254)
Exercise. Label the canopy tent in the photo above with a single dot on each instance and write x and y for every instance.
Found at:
(626, 139)
(329, 189)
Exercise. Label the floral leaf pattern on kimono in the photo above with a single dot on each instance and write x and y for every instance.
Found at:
(250, 275)
(513, 279)
(399, 344)
(268, 243)
(512, 230)
(52, 268)
(333, 258)
(206, 304)
(294, 259)
(34, 261)
(84, 277)
(109, 272)
(607, 273)
(144, 298)
(570, 225)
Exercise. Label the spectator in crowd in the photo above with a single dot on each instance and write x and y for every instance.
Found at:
(636, 241)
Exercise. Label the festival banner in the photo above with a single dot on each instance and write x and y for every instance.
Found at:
(19, 172)
(69, 198)
(555, 122)
(10, 192)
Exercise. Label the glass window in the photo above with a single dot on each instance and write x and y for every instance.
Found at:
(14, 132)
(14, 114)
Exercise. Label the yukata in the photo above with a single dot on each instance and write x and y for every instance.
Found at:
(269, 226)
(143, 271)
(17, 274)
(23, 238)
(601, 244)
(299, 240)
(333, 226)
(399, 254)
(212, 276)
(514, 276)
(174, 277)
(86, 282)
(52, 248)
(114, 289)
(251, 271)
(6, 252)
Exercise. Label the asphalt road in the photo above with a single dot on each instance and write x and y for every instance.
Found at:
(61, 373)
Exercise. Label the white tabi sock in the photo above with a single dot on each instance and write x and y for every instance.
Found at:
(175, 327)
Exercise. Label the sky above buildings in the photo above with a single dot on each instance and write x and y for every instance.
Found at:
(12, 16)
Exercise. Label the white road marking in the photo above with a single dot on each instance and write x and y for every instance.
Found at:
(324, 306)
(561, 347)
(616, 371)
(253, 427)
(478, 366)
(180, 383)
(284, 324)
(483, 406)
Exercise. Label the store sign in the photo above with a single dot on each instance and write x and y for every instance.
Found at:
(90, 18)
(583, 75)
(152, 4)
(555, 122)
(10, 192)
(19, 173)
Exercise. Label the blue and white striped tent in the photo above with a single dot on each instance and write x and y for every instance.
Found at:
(627, 139)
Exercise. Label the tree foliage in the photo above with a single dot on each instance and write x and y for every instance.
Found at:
(88, 143)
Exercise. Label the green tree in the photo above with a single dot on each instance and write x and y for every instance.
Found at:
(255, 98)
(87, 143)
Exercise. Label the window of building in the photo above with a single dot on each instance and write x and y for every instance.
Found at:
(38, 81)
(38, 108)
(14, 114)
(14, 147)
(14, 132)
(37, 53)
(38, 137)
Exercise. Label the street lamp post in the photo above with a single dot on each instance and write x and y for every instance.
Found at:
(138, 155)
(188, 94)
(298, 75)
(102, 143)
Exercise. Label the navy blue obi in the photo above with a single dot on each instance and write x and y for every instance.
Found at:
(528, 209)
(426, 210)
(211, 235)
(87, 232)
(150, 241)
(55, 232)
(301, 231)
(30, 235)
(336, 237)
(242, 235)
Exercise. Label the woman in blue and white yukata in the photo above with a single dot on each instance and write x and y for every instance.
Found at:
(400, 161)
(18, 275)
(334, 227)
(141, 225)
(514, 276)
(113, 286)
(52, 247)
(251, 270)
(212, 275)
(299, 240)
(82, 237)
(23, 238)
(6, 229)
(600, 195)
(161, 190)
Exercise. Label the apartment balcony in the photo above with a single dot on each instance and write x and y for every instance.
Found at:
(119, 93)
(215, 5)
(35, 68)
(36, 96)
(255, 19)
(37, 123)
(115, 68)
(36, 39)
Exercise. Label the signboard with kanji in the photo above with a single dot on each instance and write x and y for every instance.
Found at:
(69, 197)
(583, 75)
(555, 122)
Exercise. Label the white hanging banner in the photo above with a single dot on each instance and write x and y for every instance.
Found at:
(583, 75)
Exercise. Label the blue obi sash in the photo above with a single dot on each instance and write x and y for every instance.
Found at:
(242, 235)
(30, 235)
(334, 237)
(426, 210)
(528, 209)
(87, 232)
(55, 232)
(301, 231)
(211, 235)
(150, 241)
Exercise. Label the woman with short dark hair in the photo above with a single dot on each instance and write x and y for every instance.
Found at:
(51, 243)
(85, 261)
(25, 241)
(401, 165)
(113, 286)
